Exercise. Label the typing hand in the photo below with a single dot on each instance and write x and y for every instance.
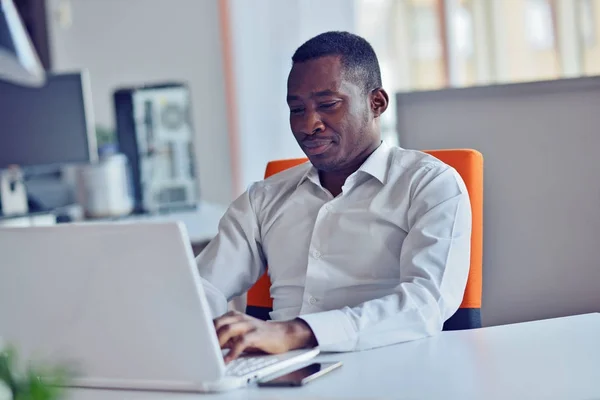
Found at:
(239, 332)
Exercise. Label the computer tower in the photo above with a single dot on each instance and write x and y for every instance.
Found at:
(155, 132)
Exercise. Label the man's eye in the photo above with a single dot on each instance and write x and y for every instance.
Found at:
(296, 110)
(328, 105)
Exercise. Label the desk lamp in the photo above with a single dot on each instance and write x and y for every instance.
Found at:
(20, 64)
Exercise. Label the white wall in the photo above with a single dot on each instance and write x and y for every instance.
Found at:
(130, 42)
(265, 35)
(541, 252)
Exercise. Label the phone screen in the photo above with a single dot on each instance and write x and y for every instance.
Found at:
(303, 375)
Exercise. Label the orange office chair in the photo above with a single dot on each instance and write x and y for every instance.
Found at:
(469, 164)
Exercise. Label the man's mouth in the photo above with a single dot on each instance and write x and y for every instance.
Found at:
(314, 147)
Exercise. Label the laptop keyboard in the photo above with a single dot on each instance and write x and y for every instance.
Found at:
(246, 365)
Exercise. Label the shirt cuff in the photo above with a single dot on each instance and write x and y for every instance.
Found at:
(217, 303)
(333, 330)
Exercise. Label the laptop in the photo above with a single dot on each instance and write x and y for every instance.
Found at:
(123, 304)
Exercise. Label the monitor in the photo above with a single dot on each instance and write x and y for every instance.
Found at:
(49, 125)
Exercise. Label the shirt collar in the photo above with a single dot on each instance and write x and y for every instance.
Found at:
(376, 166)
(377, 163)
(311, 174)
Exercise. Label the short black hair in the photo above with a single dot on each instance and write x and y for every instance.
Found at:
(357, 56)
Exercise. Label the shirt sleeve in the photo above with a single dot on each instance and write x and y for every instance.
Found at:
(434, 266)
(233, 261)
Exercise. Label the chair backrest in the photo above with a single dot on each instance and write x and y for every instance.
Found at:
(469, 164)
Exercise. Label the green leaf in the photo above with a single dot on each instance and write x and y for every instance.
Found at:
(29, 385)
(7, 367)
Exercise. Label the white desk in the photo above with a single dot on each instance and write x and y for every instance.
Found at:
(202, 223)
(551, 359)
(37, 219)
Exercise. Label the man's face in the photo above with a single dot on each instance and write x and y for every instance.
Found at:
(329, 115)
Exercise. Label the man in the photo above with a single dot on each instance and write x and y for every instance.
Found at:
(366, 245)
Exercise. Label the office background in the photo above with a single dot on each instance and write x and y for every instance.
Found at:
(235, 56)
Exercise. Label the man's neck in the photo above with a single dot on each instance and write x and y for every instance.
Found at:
(334, 180)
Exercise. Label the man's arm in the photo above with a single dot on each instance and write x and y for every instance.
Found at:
(230, 264)
(434, 266)
(233, 261)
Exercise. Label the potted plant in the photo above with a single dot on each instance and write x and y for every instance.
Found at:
(28, 384)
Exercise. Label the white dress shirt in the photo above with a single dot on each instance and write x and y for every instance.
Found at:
(384, 262)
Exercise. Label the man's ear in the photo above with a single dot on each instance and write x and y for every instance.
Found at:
(379, 101)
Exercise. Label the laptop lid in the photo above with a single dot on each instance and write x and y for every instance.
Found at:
(123, 301)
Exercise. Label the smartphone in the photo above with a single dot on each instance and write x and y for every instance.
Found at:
(303, 375)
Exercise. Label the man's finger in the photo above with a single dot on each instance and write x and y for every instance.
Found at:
(232, 331)
(239, 345)
(228, 318)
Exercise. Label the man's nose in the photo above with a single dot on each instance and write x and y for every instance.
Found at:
(313, 123)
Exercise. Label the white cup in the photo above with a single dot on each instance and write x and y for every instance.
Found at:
(103, 188)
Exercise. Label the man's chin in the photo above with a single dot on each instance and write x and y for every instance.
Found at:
(326, 161)
(322, 163)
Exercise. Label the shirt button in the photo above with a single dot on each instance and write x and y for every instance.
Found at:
(317, 254)
(328, 207)
(312, 300)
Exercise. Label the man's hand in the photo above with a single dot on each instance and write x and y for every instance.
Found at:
(240, 332)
